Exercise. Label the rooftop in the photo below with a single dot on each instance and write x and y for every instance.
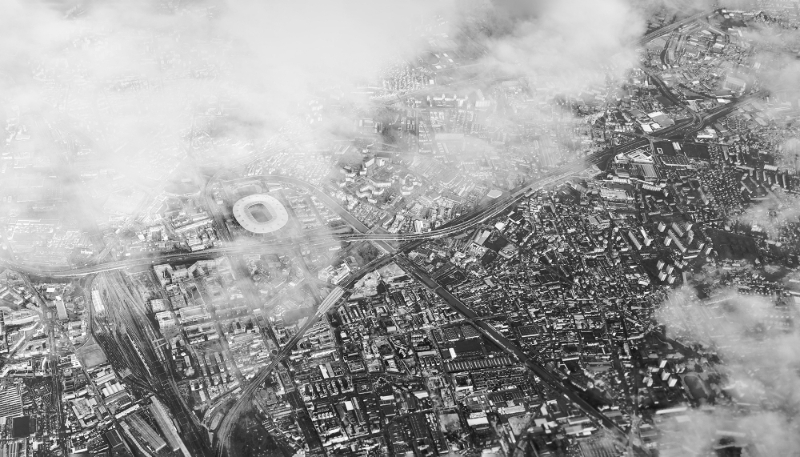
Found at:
(260, 213)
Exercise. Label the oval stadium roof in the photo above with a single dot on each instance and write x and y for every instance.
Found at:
(278, 217)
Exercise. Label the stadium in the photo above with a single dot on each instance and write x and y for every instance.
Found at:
(260, 213)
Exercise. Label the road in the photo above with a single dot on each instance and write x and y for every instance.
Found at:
(326, 199)
(244, 401)
(223, 433)
(456, 226)
(498, 338)
(674, 26)
(459, 225)
(448, 229)
(453, 227)
(178, 257)
(137, 340)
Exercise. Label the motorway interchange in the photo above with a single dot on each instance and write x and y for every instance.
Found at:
(462, 224)
(565, 172)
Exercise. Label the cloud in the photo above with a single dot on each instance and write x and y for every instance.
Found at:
(123, 96)
(762, 432)
(776, 49)
(773, 214)
(776, 57)
(760, 368)
(127, 93)
(568, 46)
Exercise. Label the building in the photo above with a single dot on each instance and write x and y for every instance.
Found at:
(165, 320)
(10, 402)
(260, 213)
(61, 309)
(144, 432)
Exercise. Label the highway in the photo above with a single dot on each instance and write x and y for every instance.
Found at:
(674, 26)
(456, 226)
(233, 248)
(62, 272)
(464, 223)
(223, 433)
(244, 401)
(326, 199)
(178, 257)
(459, 225)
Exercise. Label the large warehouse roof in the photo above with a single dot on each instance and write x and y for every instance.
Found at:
(260, 213)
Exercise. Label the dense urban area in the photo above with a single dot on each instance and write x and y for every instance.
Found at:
(472, 265)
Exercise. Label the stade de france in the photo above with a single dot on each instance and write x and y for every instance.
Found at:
(260, 213)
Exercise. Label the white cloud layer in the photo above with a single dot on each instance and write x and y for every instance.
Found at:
(761, 365)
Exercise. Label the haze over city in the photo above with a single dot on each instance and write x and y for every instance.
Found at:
(345, 227)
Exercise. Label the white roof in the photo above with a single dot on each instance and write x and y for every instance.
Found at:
(279, 216)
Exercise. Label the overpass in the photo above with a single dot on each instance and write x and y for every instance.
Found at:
(468, 221)
(326, 199)
(230, 248)
(243, 402)
(674, 26)
(332, 298)
(550, 379)
(453, 227)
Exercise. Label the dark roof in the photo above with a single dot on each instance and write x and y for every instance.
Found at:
(665, 146)
(21, 426)
(696, 151)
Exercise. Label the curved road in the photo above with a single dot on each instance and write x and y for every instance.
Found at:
(464, 223)
(566, 171)
(456, 226)
(451, 228)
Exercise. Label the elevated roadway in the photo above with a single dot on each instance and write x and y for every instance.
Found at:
(569, 170)
(459, 225)
(674, 26)
(456, 226)
(243, 403)
(326, 199)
